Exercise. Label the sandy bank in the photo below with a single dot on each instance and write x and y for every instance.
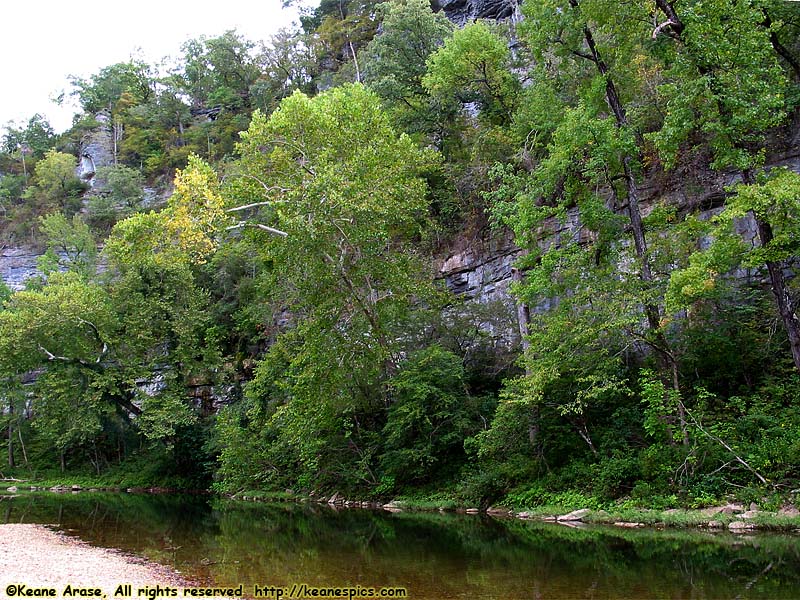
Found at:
(39, 558)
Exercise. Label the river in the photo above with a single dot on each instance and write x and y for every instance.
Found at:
(433, 556)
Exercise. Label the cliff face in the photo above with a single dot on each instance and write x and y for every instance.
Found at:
(97, 150)
(479, 267)
(17, 264)
(462, 12)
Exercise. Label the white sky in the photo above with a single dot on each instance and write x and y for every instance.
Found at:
(44, 41)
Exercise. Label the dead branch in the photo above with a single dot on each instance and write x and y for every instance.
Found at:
(725, 445)
(258, 226)
(667, 23)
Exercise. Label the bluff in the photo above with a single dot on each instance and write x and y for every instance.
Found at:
(462, 12)
(479, 266)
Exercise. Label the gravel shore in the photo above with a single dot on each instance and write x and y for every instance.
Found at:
(36, 557)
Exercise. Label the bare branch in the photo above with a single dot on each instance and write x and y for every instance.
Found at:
(722, 442)
(104, 351)
(667, 23)
(256, 204)
(51, 356)
(258, 226)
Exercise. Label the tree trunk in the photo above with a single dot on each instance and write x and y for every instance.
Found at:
(652, 312)
(783, 298)
(22, 446)
(523, 321)
(11, 462)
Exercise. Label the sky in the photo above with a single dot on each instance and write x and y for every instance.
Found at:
(42, 42)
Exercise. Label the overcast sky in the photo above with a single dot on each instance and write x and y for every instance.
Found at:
(44, 41)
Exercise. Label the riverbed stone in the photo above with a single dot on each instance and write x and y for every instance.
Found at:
(12, 489)
(575, 515)
(740, 526)
(710, 511)
(715, 525)
(789, 510)
(499, 511)
(628, 524)
(472, 511)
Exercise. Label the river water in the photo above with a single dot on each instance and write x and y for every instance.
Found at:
(433, 556)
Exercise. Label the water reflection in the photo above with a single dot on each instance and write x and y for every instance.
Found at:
(434, 556)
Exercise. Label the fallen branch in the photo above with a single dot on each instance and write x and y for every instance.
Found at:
(725, 445)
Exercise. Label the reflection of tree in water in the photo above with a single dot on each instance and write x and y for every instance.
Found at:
(433, 555)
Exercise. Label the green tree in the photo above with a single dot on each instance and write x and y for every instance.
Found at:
(70, 245)
(340, 29)
(126, 193)
(430, 417)
(36, 138)
(219, 70)
(722, 79)
(338, 196)
(286, 64)
(395, 61)
(103, 90)
(55, 184)
(473, 65)
(341, 205)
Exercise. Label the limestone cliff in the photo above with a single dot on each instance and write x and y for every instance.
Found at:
(462, 12)
(96, 150)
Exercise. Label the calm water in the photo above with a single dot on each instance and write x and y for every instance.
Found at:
(434, 556)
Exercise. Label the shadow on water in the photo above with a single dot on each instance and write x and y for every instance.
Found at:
(434, 556)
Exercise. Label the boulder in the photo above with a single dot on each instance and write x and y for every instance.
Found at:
(750, 514)
(499, 511)
(789, 510)
(12, 489)
(715, 525)
(628, 525)
(711, 511)
(733, 509)
(472, 511)
(740, 526)
(575, 515)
